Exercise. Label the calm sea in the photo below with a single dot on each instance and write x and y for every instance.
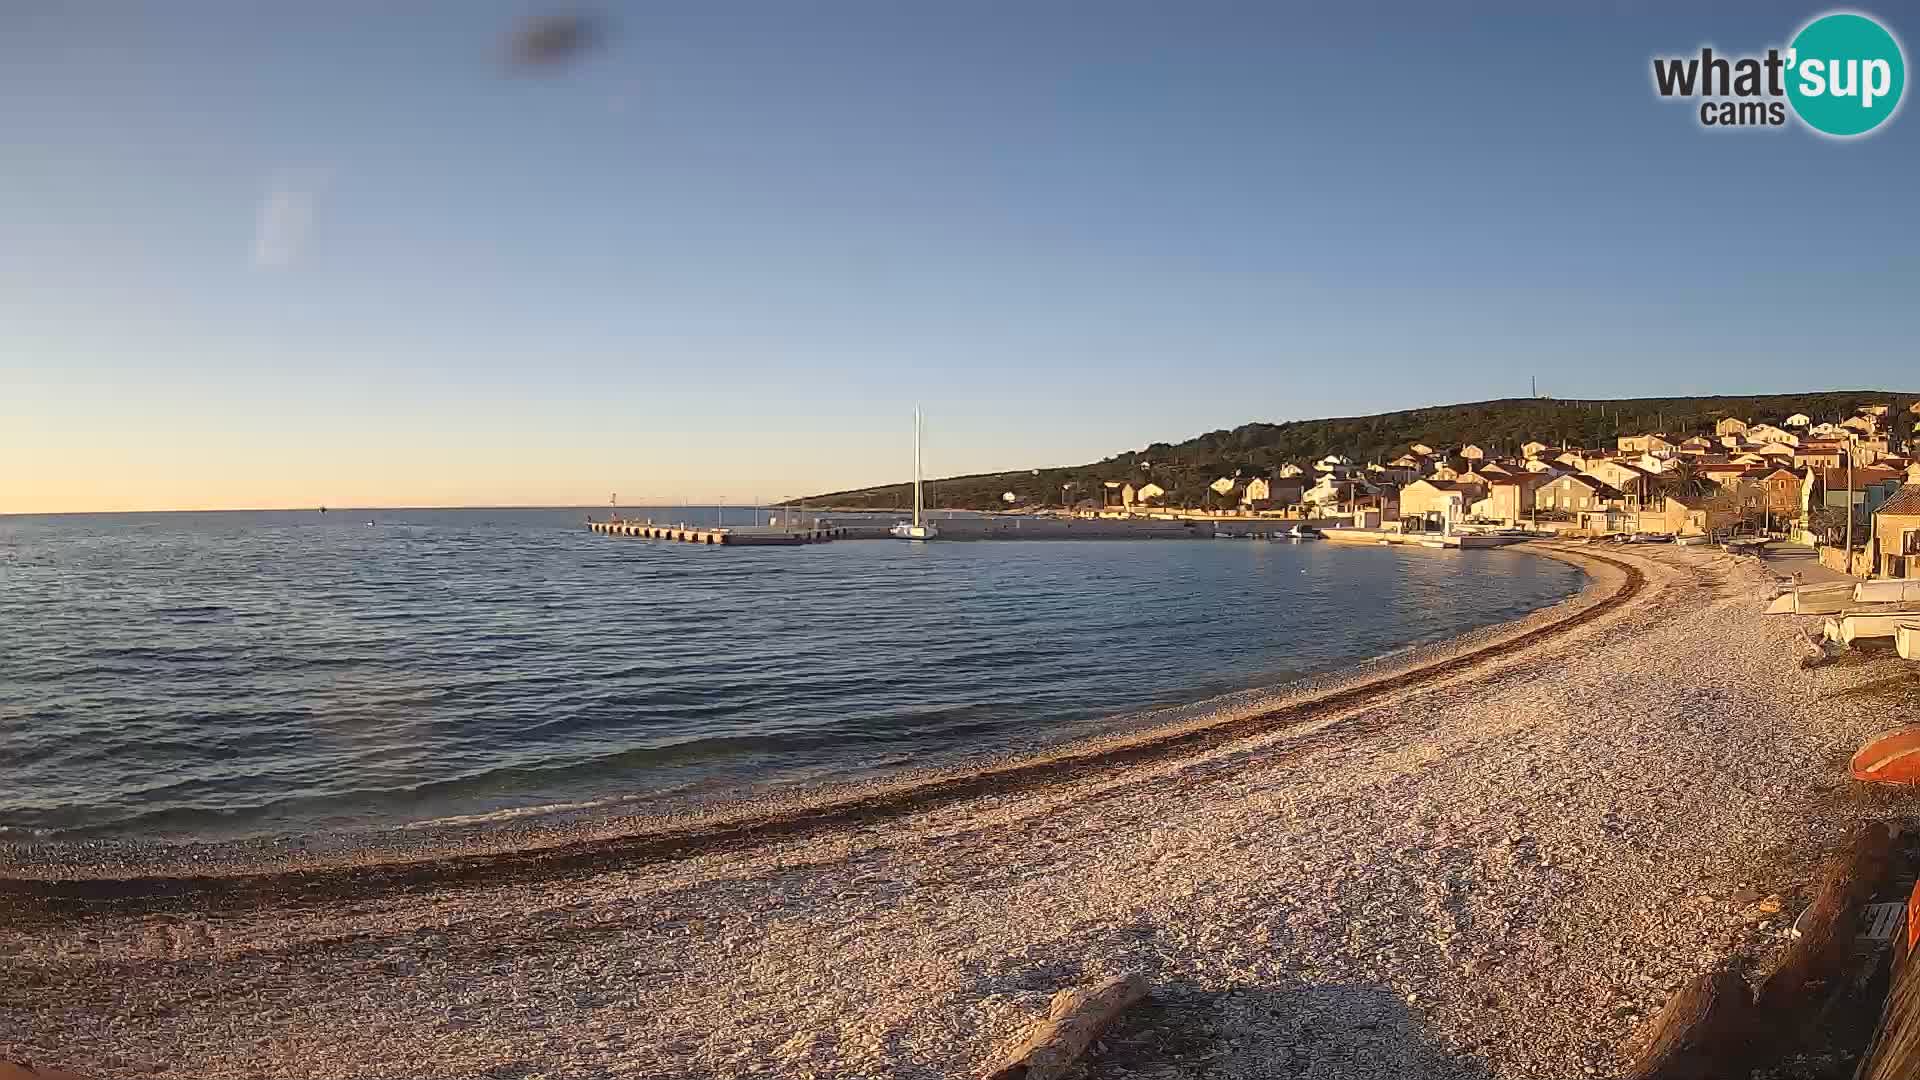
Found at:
(227, 674)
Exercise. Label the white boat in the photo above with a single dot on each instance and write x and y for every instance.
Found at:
(1888, 591)
(1305, 532)
(1825, 598)
(919, 529)
(1906, 638)
(1850, 626)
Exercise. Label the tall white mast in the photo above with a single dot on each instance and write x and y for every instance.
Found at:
(918, 501)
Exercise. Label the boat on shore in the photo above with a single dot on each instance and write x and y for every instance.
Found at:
(1888, 591)
(1847, 627)
(1891, 757)
(1825, 598)
(1906, 638)
(1305, 532)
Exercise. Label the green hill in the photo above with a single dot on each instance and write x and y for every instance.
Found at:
(1500, 427)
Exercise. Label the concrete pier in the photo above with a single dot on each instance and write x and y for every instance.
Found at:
(754, 536)
(1454, 540)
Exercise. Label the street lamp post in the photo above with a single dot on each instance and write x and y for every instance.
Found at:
(1850, 441)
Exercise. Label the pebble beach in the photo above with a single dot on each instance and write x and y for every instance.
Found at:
(1489, 858)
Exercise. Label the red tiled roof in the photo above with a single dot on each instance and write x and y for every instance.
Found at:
(1905, 501)
(1863, 476)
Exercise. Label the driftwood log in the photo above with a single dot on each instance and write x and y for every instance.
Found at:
(1894, 1053)
(1074, 1020)
(14, 1070)
(1713, 1027)
(1827, 928)
(1703, 1027)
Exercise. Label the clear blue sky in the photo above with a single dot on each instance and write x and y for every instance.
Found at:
(258, 254)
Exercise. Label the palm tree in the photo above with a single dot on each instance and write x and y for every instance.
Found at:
(1682, 480)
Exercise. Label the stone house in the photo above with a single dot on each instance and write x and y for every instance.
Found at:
(1632, 481)
(1896, 534)
(1655, 443)
(1577, 493)
(1509, 499)
(1431, 504)
(1872, 486)
(1783, 492)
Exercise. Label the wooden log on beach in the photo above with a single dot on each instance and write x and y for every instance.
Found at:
(1894, 1053)
(1074, 1020)
(1827, 927)
(1713, 1027)
(16, 1070)
(1701, 1032)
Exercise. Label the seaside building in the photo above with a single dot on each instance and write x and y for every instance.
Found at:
(1798, 420)
(1473, 453)
(1431, 505)
(1634, 483)
(1730, 426)
(1577, 493)
(1533, 449)
(1782, 486)
(1767, 433)
(1896, 534)
(1645, 444)
(1689, 515)
(1871, 487)
(1822, 454)
(1510, 498)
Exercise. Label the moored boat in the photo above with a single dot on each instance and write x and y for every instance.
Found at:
(919, 529)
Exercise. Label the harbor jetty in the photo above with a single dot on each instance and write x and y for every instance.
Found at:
(731, 536)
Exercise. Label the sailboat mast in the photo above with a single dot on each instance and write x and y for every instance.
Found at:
(919, 502)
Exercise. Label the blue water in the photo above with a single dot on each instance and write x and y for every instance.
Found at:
(227, 674)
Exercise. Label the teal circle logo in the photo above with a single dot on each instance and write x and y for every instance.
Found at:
(1845, 74)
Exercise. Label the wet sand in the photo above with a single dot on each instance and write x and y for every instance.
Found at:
(1489, 857)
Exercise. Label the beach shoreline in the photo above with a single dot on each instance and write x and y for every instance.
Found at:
(679, 823)
(1495, 867)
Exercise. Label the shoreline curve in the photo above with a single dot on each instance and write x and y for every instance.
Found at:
(60, 892)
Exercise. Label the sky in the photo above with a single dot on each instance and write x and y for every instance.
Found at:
(264, 255)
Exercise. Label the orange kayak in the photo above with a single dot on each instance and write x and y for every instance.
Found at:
(1891, 757)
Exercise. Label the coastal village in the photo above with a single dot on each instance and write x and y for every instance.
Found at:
(1845, 486)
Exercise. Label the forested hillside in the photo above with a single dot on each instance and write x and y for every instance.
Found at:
(1500, 427)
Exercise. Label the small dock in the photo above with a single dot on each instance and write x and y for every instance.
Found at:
(1452, 540)
(752, 536)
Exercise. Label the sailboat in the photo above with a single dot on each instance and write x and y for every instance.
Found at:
(920, 529)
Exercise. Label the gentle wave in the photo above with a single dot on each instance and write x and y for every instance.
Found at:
(199, 675)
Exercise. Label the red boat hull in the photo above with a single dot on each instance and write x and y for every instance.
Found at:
(1892, 757)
